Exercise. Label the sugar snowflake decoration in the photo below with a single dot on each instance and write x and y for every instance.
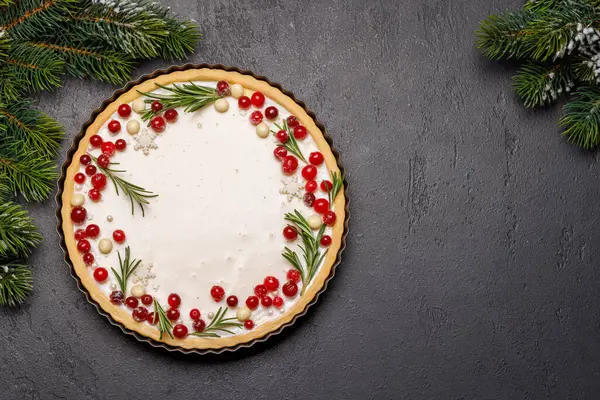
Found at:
(145, 141)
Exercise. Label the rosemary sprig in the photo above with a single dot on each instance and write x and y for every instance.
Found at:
(336, 185)
(164, 324)
(219, 324)
(292, 144)
(310, 248)
(135, 193)
(189, 95)
(127, 267)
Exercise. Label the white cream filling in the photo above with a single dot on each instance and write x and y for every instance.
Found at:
(219, 214)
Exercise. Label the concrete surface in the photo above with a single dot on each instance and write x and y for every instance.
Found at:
(471, 270)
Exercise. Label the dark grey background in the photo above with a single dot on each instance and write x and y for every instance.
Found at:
(471, 268)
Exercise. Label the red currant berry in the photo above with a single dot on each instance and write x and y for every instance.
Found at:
(174, 300)
(316, 158)
(84, 246)
(78, 214)
(311, 186)
(282, 136)
(325, 240)
(88, 258)
(249, 324)
(131, 302)
(256, 117)
(309, 199)
(120, 144)
(252, 302)
(321, 206)
(79, 178)
(156, 106)
(309, 172)
(140, 314)
(92, 231)
(80, 234)
(173, 314)
(103, 159)
(329, 218)
(152, 318)
(90, 170)
(171, 115)
(223, 88)
(292, 121)
(114, 126)
(124, 110)
(294, 275)
(290, 233)
(290, 289)
(96, 141)
(271, 283)
(266, 301)
(85, 159)
(116, 297)
(146, 299)
(232, 301)
(280, 152)
(94, 195)
(199, 325)
(107, 148)
(278, 302)
(100, 274)
(244, 102)
(180, 331)
(326, 186)
(119, 236)
(158, 124)
(258, 99)
(260, 290)
(271, 112)
(300, 132)
(217, 293)
(289, 164)
(194, 314)
(99, 181)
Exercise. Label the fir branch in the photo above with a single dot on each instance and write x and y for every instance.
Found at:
(190, 96)
(584, 70)
(31, 18)
(30, 130)
(292, 144)
(542, 5)
(182, 39)
(34, 71)
(218, 325)
(127, 268)
(336, 185)
(18, 234)
(30, 175)
(6, 192)
(538, 84)
(15, 283)
(135, 193)
(581, 118)
(164, 324)
(501, 36)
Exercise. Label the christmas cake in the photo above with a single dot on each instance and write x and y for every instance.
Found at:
(203, 209)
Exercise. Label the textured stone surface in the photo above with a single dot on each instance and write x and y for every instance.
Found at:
(471, 269)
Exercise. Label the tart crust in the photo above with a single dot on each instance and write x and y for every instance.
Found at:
(191, 342)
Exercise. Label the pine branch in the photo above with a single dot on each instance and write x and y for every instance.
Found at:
(581, 118)
(30, 175)
(6, 192)
(18, 234)
(29, 130)
(5, 3)
(32, 70)
(31, 18)
(501, 36)
(15, 283)
(542, 5)
(538, 84)
(182, 39)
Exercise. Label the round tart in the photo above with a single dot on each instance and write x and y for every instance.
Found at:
(203, 208)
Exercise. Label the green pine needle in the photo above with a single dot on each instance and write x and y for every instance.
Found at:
(182, 39)
(30, 175)
(538, 84)
(15, 283)
(33, 70)
(18, 234)
(501, 36)
(581, 118)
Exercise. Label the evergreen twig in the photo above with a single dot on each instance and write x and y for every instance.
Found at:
(15, 283)
(18, 234)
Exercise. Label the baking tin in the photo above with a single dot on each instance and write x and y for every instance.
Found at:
(69, 159)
